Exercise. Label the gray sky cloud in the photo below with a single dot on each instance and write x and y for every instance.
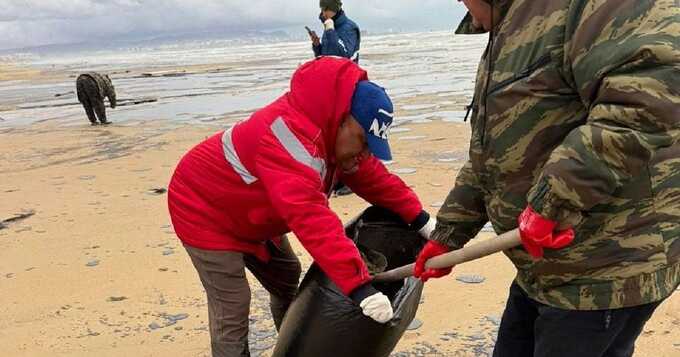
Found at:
(26, 23)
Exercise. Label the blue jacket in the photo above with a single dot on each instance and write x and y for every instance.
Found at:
(344, 41)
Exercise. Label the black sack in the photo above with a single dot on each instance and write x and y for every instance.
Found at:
(322, 321)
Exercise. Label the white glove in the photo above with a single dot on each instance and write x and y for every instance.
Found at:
(377, 307)
(329, 24)
(428, 228)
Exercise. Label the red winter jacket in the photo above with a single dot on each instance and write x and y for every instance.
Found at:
(272, 174)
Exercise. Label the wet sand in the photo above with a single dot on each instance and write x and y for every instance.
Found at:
(97, 270)
(11, 72)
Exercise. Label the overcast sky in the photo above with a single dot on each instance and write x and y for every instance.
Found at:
(28, 23)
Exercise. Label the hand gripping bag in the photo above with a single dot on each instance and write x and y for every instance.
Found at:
(322, 322)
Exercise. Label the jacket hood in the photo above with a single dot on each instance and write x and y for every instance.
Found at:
(322, 90)
(467, 28)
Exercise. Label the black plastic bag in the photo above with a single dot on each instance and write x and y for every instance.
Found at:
(323, 322)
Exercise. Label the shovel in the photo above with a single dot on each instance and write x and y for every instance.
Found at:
(505, 241)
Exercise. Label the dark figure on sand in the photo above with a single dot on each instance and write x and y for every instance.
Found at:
(92, 88)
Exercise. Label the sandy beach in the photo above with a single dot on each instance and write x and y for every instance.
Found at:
(96, 270)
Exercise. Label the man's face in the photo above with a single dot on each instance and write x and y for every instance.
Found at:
(481, 13)
(327, 14)
(350, 144)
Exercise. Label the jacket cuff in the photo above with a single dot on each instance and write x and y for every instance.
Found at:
(550, 206)
(447, 235)
(421, 220)
(363, 291)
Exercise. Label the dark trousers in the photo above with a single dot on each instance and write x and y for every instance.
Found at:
(223, 276)
(90, 98)
(529, 328)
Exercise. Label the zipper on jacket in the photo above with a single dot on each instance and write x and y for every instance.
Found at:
(489, 72)
(542, 61)
(468, 109)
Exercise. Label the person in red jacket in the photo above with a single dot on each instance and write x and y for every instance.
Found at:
(233, 197)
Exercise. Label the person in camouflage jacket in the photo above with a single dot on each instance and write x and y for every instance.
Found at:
(92, 88)
(575, 122)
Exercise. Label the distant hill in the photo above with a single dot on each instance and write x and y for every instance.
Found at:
(162, 40)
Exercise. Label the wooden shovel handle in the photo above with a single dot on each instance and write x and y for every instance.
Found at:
(505, 241)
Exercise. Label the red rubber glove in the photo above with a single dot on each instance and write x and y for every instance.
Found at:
(538, 232)
(431, 249)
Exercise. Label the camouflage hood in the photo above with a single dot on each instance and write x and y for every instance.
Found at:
(577, 112)
(466, 26)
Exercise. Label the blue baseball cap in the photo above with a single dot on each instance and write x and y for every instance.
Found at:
(372, 108)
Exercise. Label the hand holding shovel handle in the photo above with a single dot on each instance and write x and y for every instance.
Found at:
(505, 241)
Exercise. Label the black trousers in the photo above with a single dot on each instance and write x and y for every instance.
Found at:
(529, 328)
(89, 97)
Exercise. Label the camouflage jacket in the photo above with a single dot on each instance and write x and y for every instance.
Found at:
(580, 117)
(106, 89)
